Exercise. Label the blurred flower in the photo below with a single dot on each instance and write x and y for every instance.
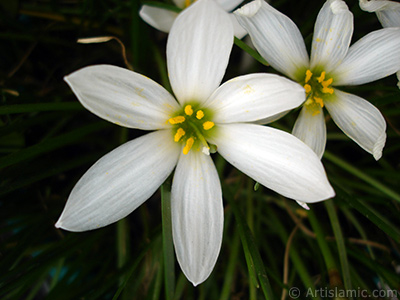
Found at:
(388, 13)
(163, 18)
(205, 115)
(333, 63)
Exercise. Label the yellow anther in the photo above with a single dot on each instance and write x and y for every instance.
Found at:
(189, 144)
(322, 77)
(327, 83)
(327, 90)
(188, 110)
(307, 87)
(325, 86)
(199, 114)
(319, 101)
(179, 134)
(177, 120)
(187, 3)
(308, 76)
(208, 125)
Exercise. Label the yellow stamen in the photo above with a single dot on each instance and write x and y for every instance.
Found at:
(327, 83)
(187, 3)
(327, 90)
(179, 134)
(322, 77)
(177, 120)
(188, 110)
(308, 76)
(325, 86)
(307, 87)
(208, 125)
(189, 144)
(319, 101)
(199, 114)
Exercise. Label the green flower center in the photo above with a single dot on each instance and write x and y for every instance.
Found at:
(317, 88)
(192, 126)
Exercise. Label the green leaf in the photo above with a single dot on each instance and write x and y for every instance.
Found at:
(51, 144)
(36, 107)
(379, 221)
(251, 51)
(251, 251)
(337, 231)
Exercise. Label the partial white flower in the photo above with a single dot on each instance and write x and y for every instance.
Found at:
(388, 13)
(202, 115)
(333, 63)
(163, 18)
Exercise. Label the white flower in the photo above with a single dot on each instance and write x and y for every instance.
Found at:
(388, 13)
(163, 18)
(333, 63)
(205, 114)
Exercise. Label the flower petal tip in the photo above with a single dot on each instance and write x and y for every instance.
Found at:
(332, 193)
(378, 147)
(196, 279)
(58, 224)
(339, 7)
(327, 193)
(303, 205)
(249, 9)
(195, 283)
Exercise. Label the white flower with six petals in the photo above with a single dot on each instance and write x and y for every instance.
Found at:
(333, 63)
(198, 50)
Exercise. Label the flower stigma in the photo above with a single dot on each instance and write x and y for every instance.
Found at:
(192, 126)
(317, 88)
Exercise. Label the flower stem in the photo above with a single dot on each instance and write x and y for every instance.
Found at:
(168, 249)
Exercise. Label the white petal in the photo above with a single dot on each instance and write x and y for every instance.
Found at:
(229, 5)
(275, 159)
(275, 36)
(359, 120)
(388, 12)
(303, 205)
(160, 18)
(373, 57)
(238, 30)
(272, 118)
(197, 215)
(123, 97)
(198, 50)
(253, 97)
(332, 35)
(120, 181)
(311, 129)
